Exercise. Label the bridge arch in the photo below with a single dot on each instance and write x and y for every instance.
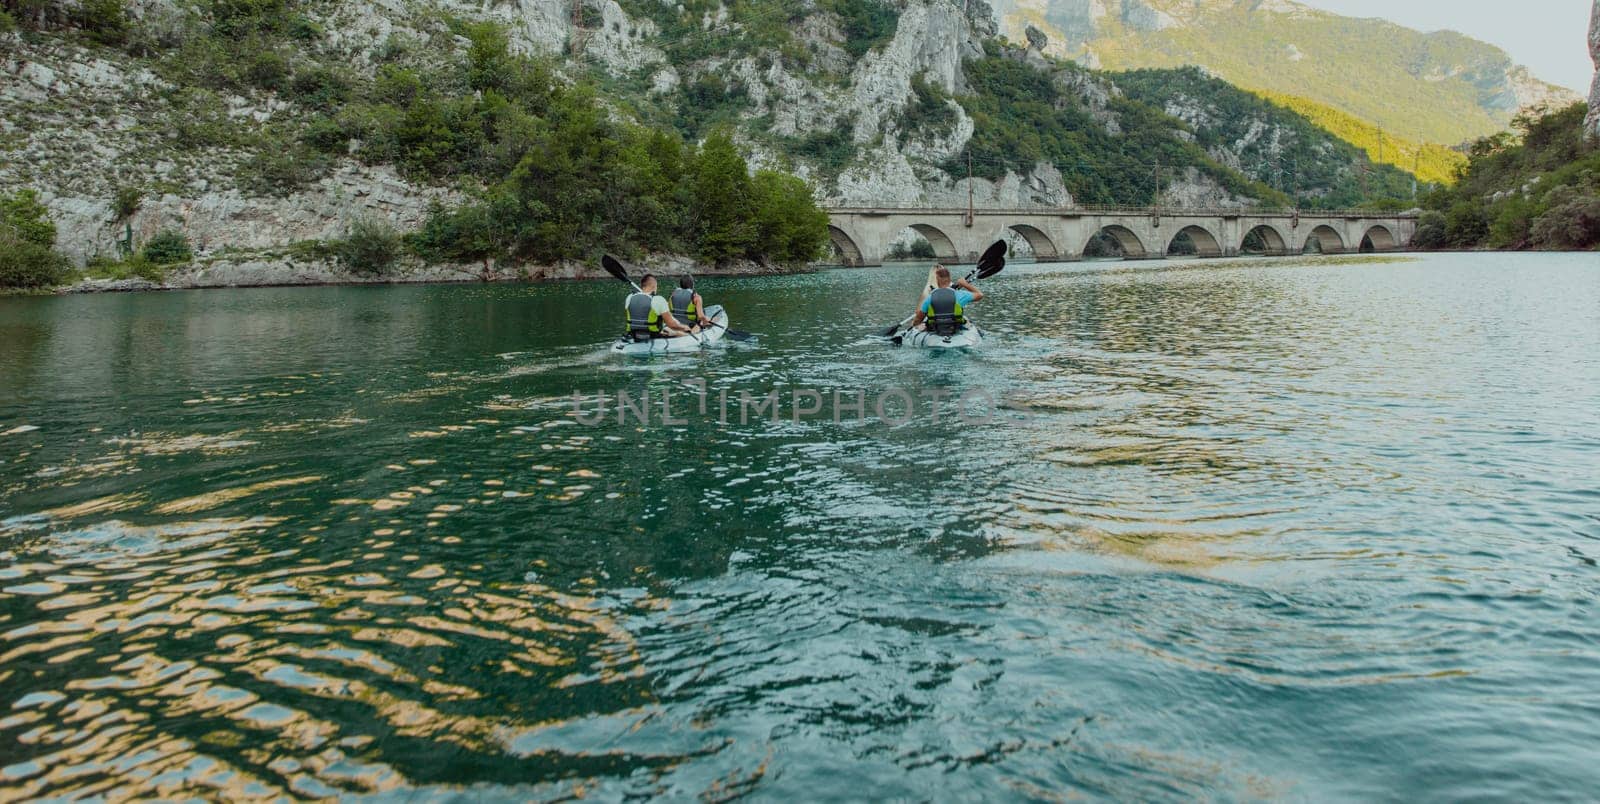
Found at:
(1327, 240)
(944, 249)
(1044, 250)
(1264, 239)
(1379, 238)
(1132, 247)
(1205, 243)
(849, 252)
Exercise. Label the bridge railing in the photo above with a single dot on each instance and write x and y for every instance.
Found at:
(1105, 209)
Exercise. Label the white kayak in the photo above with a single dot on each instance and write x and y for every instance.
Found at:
(964, 338)
(626, 345)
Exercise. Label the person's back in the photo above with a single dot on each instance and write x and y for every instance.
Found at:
(687, 306)
(944, 310)
(649, 315)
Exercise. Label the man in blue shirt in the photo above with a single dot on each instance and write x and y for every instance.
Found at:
(944, 310)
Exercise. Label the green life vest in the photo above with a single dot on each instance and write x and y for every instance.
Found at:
(945, 313)
(683, 307)
(643, 321)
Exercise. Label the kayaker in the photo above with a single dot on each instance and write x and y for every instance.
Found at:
(649, 315)
(943, 311)
(687, 304)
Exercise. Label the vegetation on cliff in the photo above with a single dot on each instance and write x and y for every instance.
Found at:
(1432, 164)
(1535, 187)
(1024, 116)
(551, 169)
(1441, 87)
(1291, 153)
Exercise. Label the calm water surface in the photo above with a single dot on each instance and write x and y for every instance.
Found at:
(1274, 529)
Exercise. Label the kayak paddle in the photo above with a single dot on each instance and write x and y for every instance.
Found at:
(992, 262)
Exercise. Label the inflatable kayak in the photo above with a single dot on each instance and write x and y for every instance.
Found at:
(688, 343)
(964, 338)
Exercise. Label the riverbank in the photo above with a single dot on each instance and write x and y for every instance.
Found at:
(276, 270)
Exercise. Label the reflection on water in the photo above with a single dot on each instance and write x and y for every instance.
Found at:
(1322, 528)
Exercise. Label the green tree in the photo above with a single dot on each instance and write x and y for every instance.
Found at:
(721, 181)
(27, 241)
(27, 218)
(790, 228)
(1432, 231)
(1466, 224)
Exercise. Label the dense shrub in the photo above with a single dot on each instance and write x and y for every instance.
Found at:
(126, 202)
(369, 247)
(168, 247)
(27, 241)
(866, 23)
(279, 170)
(25, 264)
(326, 135)
(267, 68)
(105, 21)
(1572, 222)
(1431, 231)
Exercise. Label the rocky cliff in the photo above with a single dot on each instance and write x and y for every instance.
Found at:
(872, 100)
(1438, 87)
(1593, 121)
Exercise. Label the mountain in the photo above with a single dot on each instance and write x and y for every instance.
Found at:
(261, 128)
(1439, 87)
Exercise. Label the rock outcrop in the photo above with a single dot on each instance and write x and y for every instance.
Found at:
(1593, 121)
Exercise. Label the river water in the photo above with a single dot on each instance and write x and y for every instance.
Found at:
(1304, 529)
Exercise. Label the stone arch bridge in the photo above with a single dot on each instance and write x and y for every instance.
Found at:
(864, 235)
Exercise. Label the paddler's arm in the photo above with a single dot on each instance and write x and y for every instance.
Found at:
(977, 295)
(672, 323)
(700, 305)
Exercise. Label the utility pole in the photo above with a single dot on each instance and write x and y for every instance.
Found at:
(1294, 196)
(1416, 164)
(970, 211)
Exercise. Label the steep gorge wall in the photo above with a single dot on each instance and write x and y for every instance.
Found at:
(1593, 121)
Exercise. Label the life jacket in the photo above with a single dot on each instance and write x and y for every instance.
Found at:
(643, 321)
(945, 313)
(683, 307)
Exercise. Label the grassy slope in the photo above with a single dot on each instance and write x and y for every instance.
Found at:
(1433, 163)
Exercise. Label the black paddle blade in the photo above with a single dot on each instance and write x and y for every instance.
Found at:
(890, 331)
(738, 335)
(614, 267)
(995, 255)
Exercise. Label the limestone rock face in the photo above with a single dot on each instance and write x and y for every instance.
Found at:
(1593, 122)
(215, 220)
